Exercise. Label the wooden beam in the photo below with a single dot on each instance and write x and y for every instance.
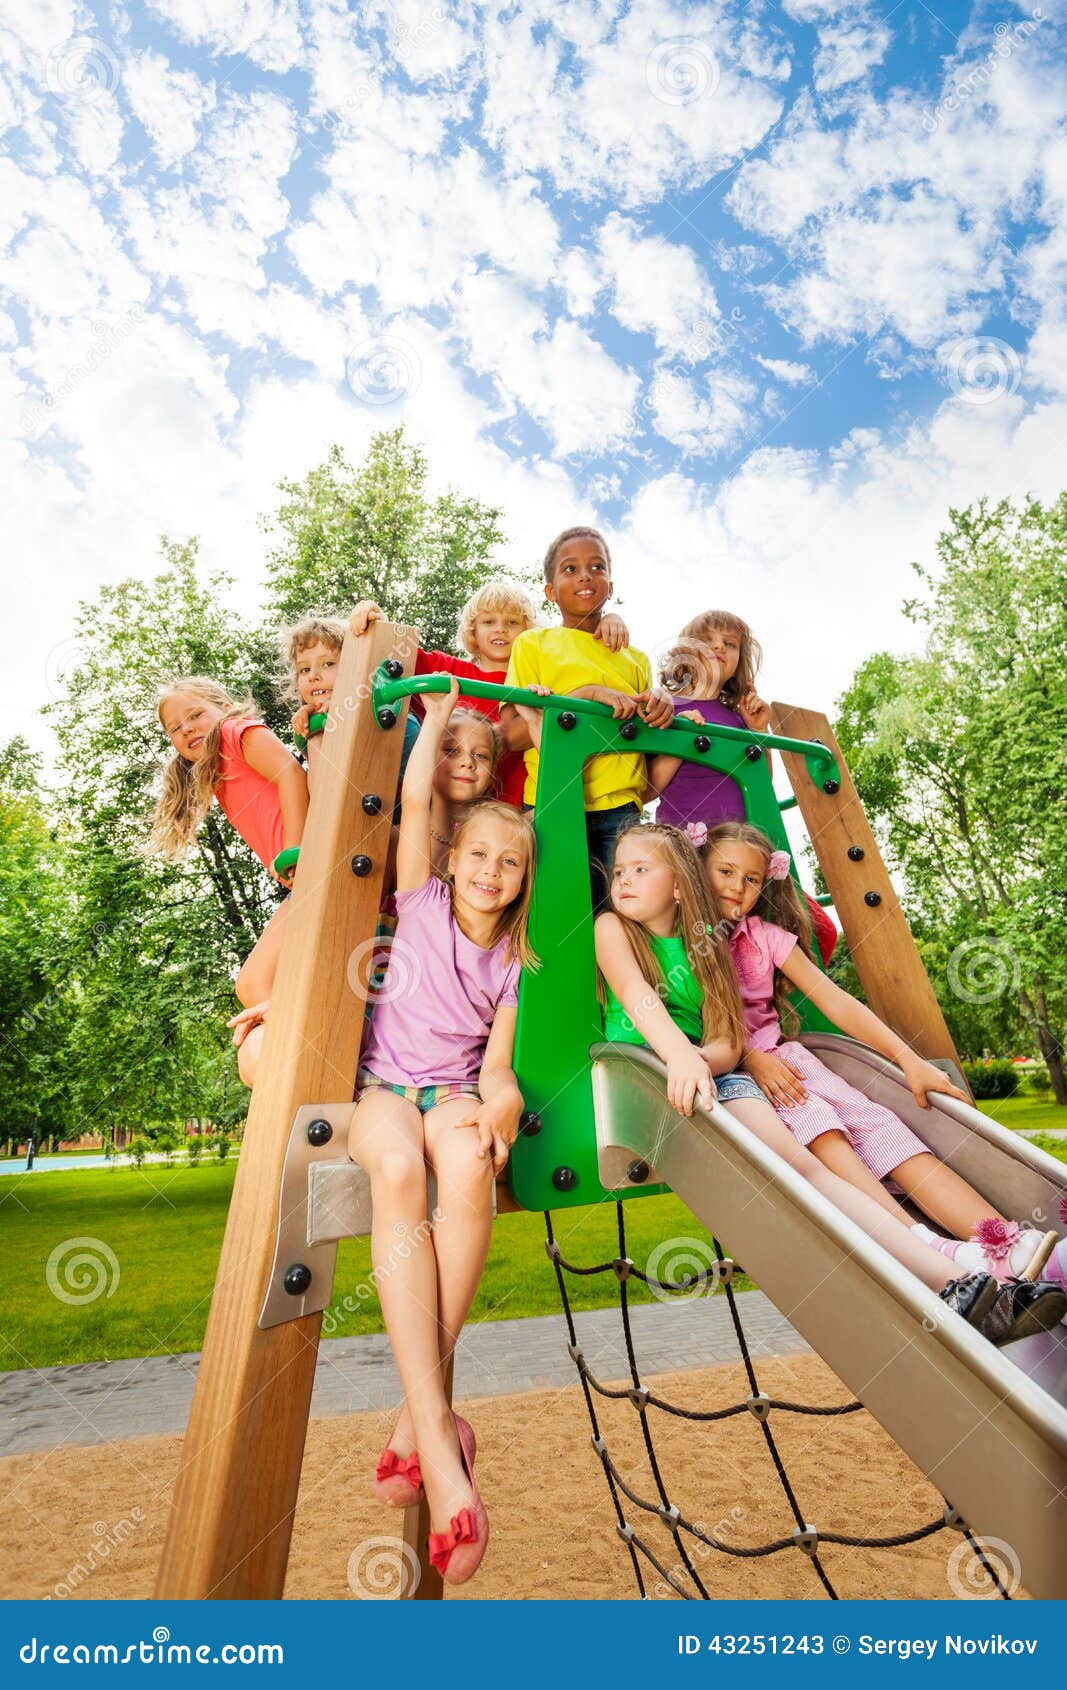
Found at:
(886, 956)
(236, 1491)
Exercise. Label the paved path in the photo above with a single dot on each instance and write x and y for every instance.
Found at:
(101, 1401)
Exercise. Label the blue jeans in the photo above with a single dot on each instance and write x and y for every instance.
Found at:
(602, 829)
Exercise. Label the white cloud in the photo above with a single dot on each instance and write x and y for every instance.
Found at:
(559, 374)
(658, 288)
(629, 104)
(700, 425)
(782, 369)
(852, 39)
(169, 103)
(267, 32)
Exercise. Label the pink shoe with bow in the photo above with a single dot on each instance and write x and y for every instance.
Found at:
(398, 1478)
(457, 1553)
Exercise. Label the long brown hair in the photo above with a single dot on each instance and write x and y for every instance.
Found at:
(514, 921)
(749, 658)
(699, 924)
(188, 788)
(779, 903)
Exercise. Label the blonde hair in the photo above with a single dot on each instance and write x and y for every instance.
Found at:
(779, 903)
(514, 921)
(297, 637)
(493, 595)
(749, 658)
(699, 925)
(688, 670)
(463, 713)
(188, 788)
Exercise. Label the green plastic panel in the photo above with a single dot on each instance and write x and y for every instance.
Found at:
(554, 1165)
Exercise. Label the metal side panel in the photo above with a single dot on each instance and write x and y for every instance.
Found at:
(987, 1435)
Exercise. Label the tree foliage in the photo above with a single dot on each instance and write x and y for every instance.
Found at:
(960, 757)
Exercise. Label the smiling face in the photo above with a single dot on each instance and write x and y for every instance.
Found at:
(316, 671)
(187, 720)
(581, 581)
(736, 873)
(465, 767)
(643, 885)
(489, 864)
(493, 635)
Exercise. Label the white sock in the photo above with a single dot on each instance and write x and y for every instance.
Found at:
(921, 1230)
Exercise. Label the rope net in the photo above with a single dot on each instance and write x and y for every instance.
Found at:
(804, 1537)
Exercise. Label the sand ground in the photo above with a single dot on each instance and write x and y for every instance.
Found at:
(89, 1522)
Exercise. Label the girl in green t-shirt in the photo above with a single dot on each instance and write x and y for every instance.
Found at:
(668, 983)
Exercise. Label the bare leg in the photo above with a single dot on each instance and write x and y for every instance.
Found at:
(256, 979)
(248, 1054)
(461, 1235)
(387, 1139)
(835, 1152)
(940, 1193)
(921, 1259)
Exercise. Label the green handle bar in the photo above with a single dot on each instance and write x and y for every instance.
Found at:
(287, 859)
(387, 692)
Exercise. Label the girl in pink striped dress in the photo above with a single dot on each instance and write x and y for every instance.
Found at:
(853, 1136)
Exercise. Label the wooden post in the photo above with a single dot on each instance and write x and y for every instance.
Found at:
(236, 1491)
(879, 938)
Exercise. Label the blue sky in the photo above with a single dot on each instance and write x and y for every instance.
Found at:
(764, 289)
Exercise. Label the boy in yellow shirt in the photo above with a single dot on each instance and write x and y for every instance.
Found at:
(571, 659)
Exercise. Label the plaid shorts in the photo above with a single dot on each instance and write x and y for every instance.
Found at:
(423, 1097)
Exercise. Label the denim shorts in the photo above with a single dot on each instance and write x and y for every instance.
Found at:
(733, 1087)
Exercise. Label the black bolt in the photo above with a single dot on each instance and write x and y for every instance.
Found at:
(361, 866)
(567, 720)
(394, 668)
(387, 718)
(372, 804)
(530, 1124)
(702, 743)
(638, 1172)
(564, 1179)
(856, 853)
(297, 1279)
(628, 730)
(319, 1132)
(753, 753)
(831, 786)
(872, 898)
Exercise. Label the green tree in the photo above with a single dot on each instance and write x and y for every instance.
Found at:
(960, 757)
(374, 532)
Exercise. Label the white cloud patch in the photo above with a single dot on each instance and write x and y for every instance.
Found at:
(169, 103)
(267, 32)
(658, 289)
(701, 417)
(784, 370)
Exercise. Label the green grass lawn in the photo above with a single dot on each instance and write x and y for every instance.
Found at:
(164, 1226)
(1037, 1113)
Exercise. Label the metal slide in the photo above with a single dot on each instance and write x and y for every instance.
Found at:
(987, 1426)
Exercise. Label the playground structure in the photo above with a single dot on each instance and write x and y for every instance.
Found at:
(988, 1427)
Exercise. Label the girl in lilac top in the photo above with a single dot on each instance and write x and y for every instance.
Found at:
(436, 1089)
(711, 680)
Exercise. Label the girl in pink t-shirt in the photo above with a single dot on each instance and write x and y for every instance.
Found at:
(856, 1138)
(224, 754)
(436, 1088)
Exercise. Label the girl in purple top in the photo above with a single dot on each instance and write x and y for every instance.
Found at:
(436, 1088)
(712, 679)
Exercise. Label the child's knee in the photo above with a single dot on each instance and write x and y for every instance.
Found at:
(402, 1173)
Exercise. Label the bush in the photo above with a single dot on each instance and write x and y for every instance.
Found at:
(194, 1150)
(166, 1142)
(137, 1150)
(998, 1078)
(221, 1145)
(1038, 1083)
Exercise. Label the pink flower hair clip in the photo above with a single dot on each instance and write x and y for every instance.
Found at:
(778, 866)
(697, 833)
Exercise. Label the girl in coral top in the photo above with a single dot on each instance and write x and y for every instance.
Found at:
(224, 753)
